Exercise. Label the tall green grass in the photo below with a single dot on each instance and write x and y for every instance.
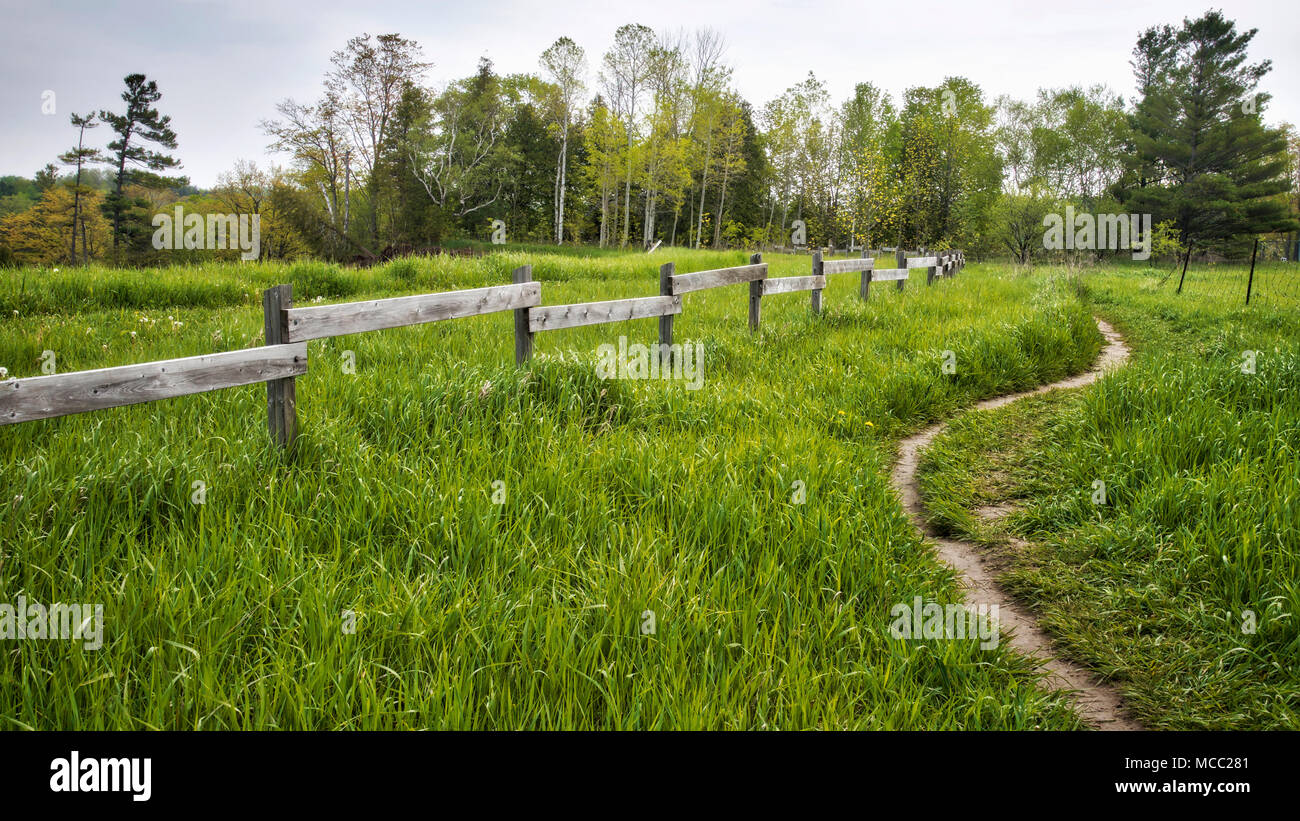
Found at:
(1184, 586)
(621, 497)
(65, 290)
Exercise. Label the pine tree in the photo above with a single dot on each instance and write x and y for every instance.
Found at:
(46, 178)
(141, 123)
(79, 157)
(1202, 154)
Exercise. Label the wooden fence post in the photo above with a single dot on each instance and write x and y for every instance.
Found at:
(523, 336)
(900, 261)
(817, 292)
(864, 287)
(666, 272)
(755, 295)
(281, 394)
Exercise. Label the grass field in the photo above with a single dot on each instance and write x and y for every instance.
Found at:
(621, 497)
(1184, 585)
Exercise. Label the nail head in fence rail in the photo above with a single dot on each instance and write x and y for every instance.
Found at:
(47, 397)
(281, 394)
(380, 314)
(555, 317)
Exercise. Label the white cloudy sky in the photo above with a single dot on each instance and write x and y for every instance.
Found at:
(223, 64)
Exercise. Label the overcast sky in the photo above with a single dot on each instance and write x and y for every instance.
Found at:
(223, 64)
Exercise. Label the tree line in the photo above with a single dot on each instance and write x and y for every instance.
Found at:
(650, 142)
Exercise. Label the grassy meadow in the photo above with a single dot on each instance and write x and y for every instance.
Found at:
(1183, 584)
(621, 497)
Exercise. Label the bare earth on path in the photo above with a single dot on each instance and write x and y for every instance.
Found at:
(1098, 702)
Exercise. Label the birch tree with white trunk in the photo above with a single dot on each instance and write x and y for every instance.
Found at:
(625, 77)
(565, 64)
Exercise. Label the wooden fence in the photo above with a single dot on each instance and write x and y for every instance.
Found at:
(284, 356)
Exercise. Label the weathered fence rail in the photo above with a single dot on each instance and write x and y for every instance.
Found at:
(847, 266)
(786, 285)
(379, 314)
(554, 317)
(284, 356)
(700, 280)
(937, 266)
(45, 397)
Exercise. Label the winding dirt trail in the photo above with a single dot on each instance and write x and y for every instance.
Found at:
(1098, 703)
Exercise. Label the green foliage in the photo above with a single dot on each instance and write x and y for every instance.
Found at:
(1181, 586)
(1165, 242)
(1018, 223)
(620, 497)
(141, 123)
(950, 172)
(1203, 156)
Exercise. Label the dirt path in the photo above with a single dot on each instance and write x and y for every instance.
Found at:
(1098, 703)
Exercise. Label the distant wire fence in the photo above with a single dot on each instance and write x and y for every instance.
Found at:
(1270, 276)
(287, 330)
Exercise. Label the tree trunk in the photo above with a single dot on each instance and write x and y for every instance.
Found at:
(722, 210)
(627, 187)
(76, 211)
(347, 197)
(372, 192)
(559, 187)
(121, 180)
(704, 186)
(604, 213)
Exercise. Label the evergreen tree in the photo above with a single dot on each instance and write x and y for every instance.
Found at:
(533, 154)
(46, 178)
(749, 200)
(1202, 154)
(140, 124)
(414, 218)
(78, 157)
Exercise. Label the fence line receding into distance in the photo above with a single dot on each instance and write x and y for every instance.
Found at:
(284, 356)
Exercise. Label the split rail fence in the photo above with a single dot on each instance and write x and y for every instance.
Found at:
(284, 356)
